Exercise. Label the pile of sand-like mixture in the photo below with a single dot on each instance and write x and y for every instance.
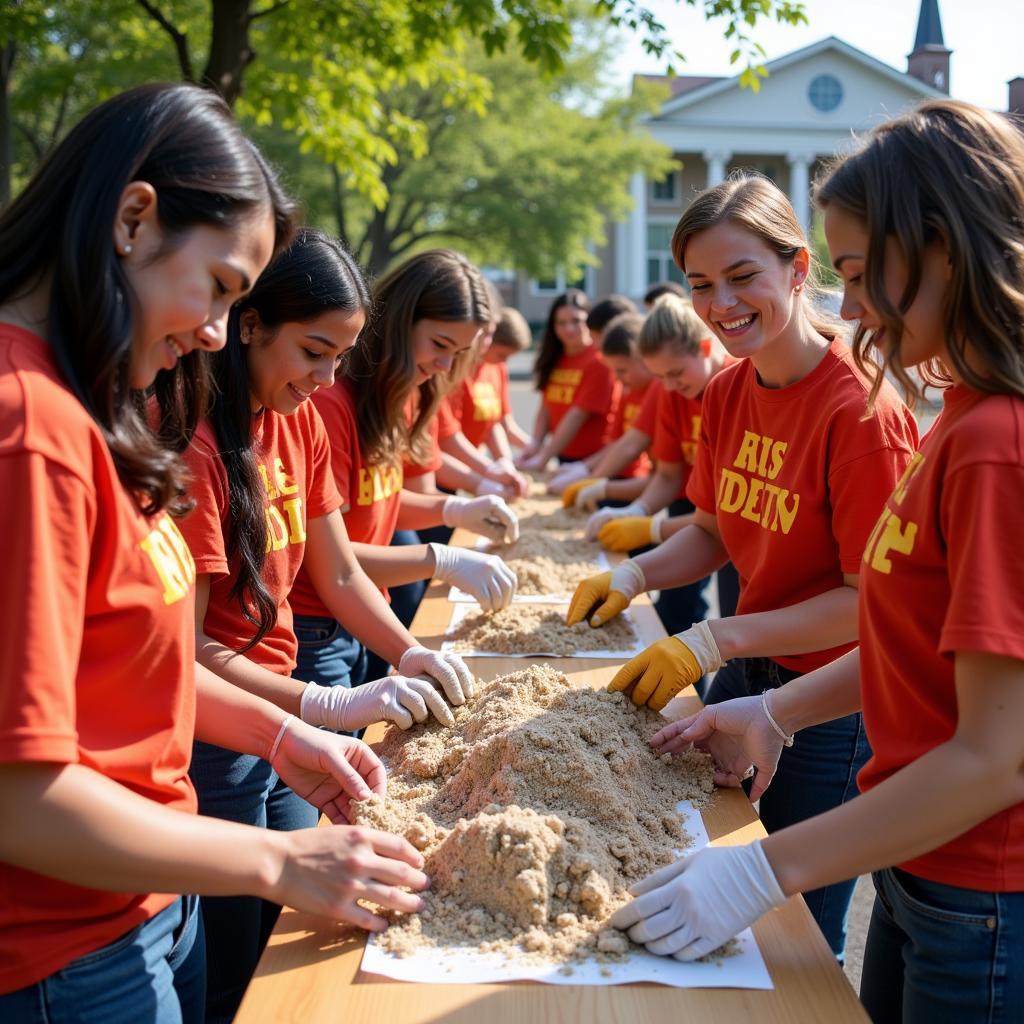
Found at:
(538, 629)
(534, 813)
(548, 563)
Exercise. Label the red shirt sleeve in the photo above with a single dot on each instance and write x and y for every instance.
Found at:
(433, 463)
(337, 421)
(203, 527)
(506, 404)
(322, 497)
(43, 591)
(448, 424)
(647, 418)
(980, 518)
(700, 487)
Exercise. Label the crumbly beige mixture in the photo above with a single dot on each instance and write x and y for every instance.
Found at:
(549, 562)
(534, 813)
(538, 629)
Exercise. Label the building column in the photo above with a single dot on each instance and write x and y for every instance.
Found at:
(717, 161)
(636, 250)
(800, 188)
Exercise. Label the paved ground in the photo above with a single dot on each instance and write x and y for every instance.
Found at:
(524, 407)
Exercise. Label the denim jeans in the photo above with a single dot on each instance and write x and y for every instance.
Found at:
(405, 600)
(814, 775)
(939, 954)
(153, 974)
(328, 654)
(242, 788)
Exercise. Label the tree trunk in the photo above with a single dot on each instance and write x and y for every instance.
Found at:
(230, 53)
(6, 127)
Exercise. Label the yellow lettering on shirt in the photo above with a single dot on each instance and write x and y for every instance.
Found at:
(172, 559)
(689, 448)
(890, 534)
(377, 483)
(913, 468)
(277, 483)
(562, 385)
(752, 496)
(486, 402)
(277, 529)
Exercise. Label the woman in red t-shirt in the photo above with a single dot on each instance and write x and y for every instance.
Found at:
(924, 225)
(577, 390)
(122, 257)
(787, 484)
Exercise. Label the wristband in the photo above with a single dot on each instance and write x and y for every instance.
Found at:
(787, 741)
(277, 741)
(656, 523)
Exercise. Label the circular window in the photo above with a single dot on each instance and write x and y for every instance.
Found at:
(825, 93)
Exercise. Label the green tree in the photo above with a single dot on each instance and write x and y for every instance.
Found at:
(312, 67)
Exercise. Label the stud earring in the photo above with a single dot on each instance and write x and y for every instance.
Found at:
(125, 250)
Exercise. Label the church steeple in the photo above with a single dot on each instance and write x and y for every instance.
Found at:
(929, 60)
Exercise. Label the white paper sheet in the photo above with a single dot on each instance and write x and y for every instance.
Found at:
(461, 597)
(460, 611)
(461, 965)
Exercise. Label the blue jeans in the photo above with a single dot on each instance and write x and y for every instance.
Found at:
(242, 788)
(405, 600)
(939, 954)
(153, 974)
(328, 654)
(814, 775)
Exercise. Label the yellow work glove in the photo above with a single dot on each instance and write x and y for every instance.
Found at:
(631, 532)
(570, 492)
(608, 592)
(655, 676)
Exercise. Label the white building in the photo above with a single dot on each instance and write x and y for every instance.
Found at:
(808, 109)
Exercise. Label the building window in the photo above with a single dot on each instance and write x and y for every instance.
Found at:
(665, 190)
(825, 93)
(660, 266)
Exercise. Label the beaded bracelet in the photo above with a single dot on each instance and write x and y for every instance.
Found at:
(787, 741)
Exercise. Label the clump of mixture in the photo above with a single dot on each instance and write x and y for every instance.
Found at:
(534, 812)
(534, 629)
(549, 562)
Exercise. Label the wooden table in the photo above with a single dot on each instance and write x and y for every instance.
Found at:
(310, 970)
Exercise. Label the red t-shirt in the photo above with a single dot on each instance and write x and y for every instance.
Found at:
(942, 573)
(627, 415)
(411, 469)
(481, 400)
(294, 463)
(796, 477)
(677, 432)
(97, 651)
(370, 495)
(582, 382)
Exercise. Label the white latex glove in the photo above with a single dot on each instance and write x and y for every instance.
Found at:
(587, 497)
(392, 699)
(567, 473)
(689, 908)
(488, 516)
(598, 519)
(484, 576)
(703, 646)
(447, 669)
(489, 486)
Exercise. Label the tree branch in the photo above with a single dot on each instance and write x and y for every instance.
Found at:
(178, 38)
(38, 150)
(253, 15)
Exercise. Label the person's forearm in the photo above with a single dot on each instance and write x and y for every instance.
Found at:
(80, 827)
(459, 448)
(690, 555)
(625, 490)
(231, 717)
(456, 476)
(932, 800)
(238, 670)
(620, 453)
(540, 425)
(418, 511)
(827, 693)
(670, 527)
(570, 426)
(662, 487)
(515, 433)
(422, 483)
(497, 442)
(817, 624)
(393, 566)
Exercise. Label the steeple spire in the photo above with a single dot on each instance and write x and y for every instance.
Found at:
(929, 60)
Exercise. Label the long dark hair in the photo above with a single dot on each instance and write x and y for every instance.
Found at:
(551, 348)
(313, 276)
(953, 171)
(182, 141)
(439, 284)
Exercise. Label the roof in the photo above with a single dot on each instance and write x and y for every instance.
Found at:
(680, 84)
(929, 26)
(716, 86)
